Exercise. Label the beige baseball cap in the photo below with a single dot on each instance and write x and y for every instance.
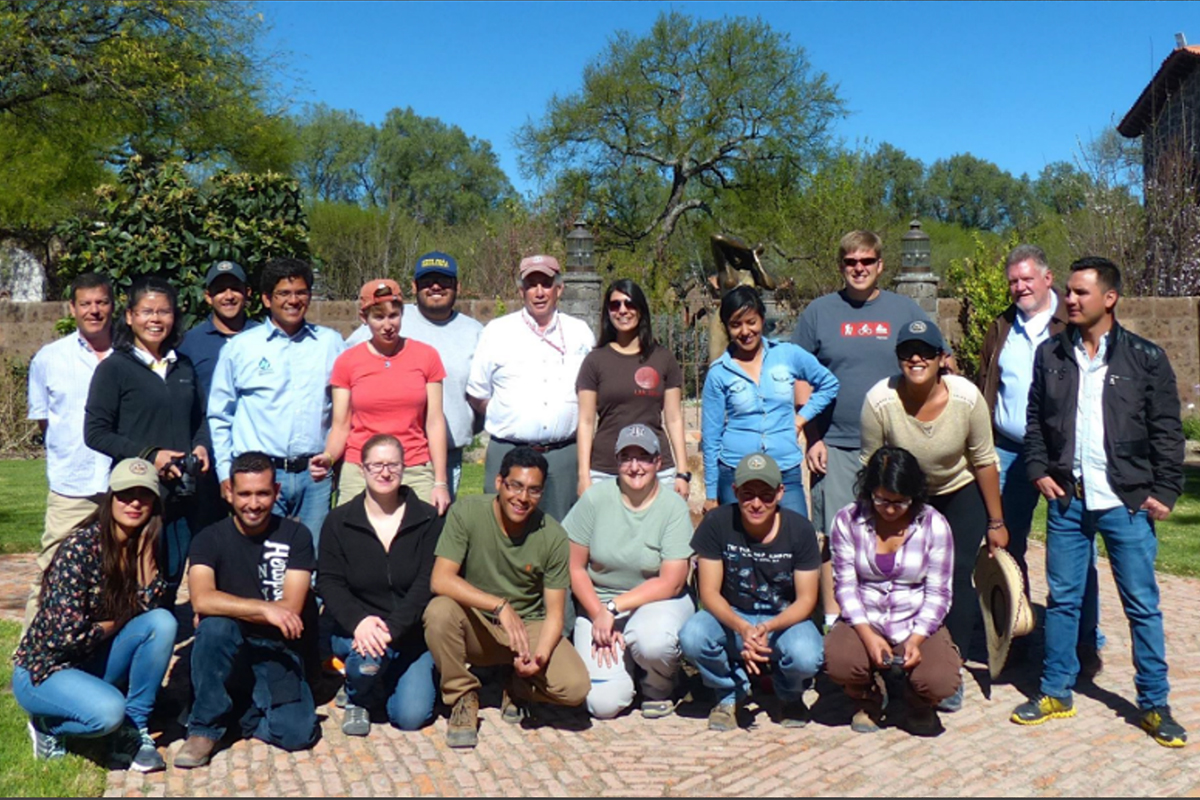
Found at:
(132, 473)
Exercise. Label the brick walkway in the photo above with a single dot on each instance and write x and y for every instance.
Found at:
(1100, 752)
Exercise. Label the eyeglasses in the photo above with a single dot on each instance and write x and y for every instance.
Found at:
(137, 494)
(429, 281)
(870, 261)
(287, 294)
(154, 313)
(615, 305)
(767, 495)
(898, 505)
(638, 458)
(922, 351)
(378, 467)
(533, 492)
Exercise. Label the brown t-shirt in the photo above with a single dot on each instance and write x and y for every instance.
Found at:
(628, 390)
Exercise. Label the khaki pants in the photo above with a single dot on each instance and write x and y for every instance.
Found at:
(457, 636)
(933, 680)
(63, 514)
(352, 481)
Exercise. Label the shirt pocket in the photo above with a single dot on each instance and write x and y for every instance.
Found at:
(780, 381)
(743, 399)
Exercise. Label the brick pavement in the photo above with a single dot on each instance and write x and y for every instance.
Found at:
(1100, 752)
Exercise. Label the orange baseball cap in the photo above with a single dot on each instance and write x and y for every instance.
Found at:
(380, 290)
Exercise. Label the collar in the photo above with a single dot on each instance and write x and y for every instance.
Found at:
(1038, 323)
(532, 323)
(416, 512)
(149, 360)
(1103, 350)
(86, 346)
(274, 330)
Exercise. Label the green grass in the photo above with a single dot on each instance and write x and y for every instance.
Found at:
(23, 512)
(472, 479)
(20, 774)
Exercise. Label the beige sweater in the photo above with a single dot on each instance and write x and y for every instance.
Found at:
(948, 449)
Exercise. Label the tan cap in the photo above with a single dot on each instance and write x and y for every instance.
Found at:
(547, 265)
(132, 473)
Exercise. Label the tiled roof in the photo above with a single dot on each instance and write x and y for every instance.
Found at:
(1175, 68)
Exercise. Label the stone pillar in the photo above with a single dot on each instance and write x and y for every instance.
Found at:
(916, 278)
(582, 290)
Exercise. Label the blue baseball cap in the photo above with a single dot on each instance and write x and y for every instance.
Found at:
(436, 263)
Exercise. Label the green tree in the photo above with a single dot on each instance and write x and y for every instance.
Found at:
(676, 117)
(336, 156)
(900, 180)
(981, 283)
(975, 193)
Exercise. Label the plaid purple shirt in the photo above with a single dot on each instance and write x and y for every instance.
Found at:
(916, 596)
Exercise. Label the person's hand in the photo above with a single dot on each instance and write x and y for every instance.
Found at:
(227, 491)
(800, 423)
(518, 638)
(162, 463)
(878, 649)
(583, 484)
(528, 665)
(319, 467)
(817, 457)
(996, 538)
(441, 499)
(289, 624)
(609, 655)
(1156, 509)
(755, 647)
(602, 627)
(912, 653)
(683, 488)
(1049, 489)
(710, 504)
(201, 454)
(371, 637)
(108, 627)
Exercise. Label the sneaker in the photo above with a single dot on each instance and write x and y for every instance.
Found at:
(1090, 662)
(657, 709)
(1159, 723)
(513, 711)
(46, 746)
(922, 720)
(357, 721)
(196, 752)
(723, 717)
(1042, 708)
(462, 730)
(954, 702)
(341, 699)
(794, 714)
(864, 722)
(132, 748)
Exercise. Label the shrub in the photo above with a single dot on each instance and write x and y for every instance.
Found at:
(982, 285)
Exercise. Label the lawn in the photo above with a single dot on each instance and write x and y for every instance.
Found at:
(24, 508)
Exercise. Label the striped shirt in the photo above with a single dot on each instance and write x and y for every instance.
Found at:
(916, 595)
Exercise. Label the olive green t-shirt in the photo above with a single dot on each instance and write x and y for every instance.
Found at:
(515, 569)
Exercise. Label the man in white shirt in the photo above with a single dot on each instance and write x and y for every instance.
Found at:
(523, 381)
(59, 377)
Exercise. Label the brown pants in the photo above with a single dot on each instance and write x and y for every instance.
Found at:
(62, 515)
(459, 636)
(848, 665)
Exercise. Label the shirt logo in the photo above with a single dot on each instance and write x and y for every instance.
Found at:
(273, 569)
(264, 365)
(873, 330)
(647, 379)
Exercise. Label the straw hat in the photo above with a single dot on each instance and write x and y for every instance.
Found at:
(1006, 610)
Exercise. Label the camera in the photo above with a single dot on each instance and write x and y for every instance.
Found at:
(189, 471)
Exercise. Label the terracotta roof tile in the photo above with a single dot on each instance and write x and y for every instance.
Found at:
(1175, 68)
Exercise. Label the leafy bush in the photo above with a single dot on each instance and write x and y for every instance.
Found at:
(18, 436)
(981, 284)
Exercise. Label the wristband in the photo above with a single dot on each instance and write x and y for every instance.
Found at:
(687, 476)
(442, 484)
(496, 611)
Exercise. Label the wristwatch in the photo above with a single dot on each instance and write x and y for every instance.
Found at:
(687, 476)
(611, 605)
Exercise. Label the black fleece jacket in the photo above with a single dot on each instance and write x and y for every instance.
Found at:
(356, 578)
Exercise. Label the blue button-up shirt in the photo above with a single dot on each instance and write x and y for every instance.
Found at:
(270, 393)
(202, 344)
(742, 417)
(1016, 369)
(1091, 462)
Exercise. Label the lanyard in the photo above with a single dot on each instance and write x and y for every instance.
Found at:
(561, 347)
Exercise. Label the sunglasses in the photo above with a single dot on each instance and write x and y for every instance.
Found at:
(616, 305)
(866, 262)
(922, 351)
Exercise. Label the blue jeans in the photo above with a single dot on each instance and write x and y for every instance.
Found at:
(281, 710)
(793, 488)
(796, 655)
(303, 499)
(1020, 497)
(1132, 547)
(406, 677)
(86, 700)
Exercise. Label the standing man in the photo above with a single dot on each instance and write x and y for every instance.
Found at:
(226, 292)
(1104, 444)
(523, 381)
(249, 580)
(1005, 375)
(502, 574)
(59, 377)
(852, 332)
(270, 393)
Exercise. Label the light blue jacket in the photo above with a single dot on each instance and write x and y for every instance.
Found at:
(742, 417)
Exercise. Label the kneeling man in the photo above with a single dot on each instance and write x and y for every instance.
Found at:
(249, 579)
(759, 565)
(502, 574)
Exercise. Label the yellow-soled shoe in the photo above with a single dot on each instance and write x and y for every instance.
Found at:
(1042, 708)
(1159, 723)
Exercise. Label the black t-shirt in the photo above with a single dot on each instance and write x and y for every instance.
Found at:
(758, 577)
(254, 566)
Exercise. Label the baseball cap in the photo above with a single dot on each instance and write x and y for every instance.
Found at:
(224, 268)
(758, 467)
(921, 331)
(637, 435)
(547, 265)
(132, 473)
(436, 263)
(380, 290)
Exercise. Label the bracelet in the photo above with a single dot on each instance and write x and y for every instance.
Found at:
(496, 611)
(995, 524)
(687, 476)
(442, 484)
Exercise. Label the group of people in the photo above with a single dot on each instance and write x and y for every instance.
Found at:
(578, 573)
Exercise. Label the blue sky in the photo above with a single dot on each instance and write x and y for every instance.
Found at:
(1020, 84)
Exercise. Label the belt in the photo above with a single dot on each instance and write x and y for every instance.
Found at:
(1079, 489)
(292, 464)
(539, 447)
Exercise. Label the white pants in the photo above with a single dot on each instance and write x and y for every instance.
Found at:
(651, 642)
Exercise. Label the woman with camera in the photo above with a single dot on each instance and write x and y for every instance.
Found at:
(143, 403)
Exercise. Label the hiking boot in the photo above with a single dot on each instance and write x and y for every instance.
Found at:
(357, 721)
(1042, 708)
(513, 711)
(1090, 662)
(865, 721)
(46, 746)
(1159, 723)
(922, 720)
(196, 752)
(462, 730)
(132, 748)
(723, 717)
(794, 714)
(657, 709)
(341, 699)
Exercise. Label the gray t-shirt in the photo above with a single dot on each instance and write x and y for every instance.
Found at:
(857, 343)
(628, 547)
(455, 341)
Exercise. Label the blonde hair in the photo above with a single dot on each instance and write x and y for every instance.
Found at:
(860, 240)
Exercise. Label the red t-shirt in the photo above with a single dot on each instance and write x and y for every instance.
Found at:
(387, 395)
